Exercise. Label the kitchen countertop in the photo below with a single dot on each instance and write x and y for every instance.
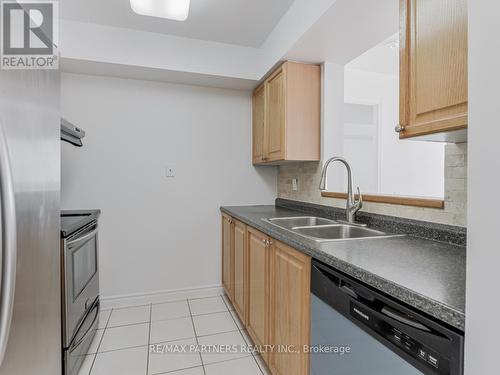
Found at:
(427, 275)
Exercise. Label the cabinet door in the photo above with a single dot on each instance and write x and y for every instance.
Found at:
(259, 101)
(227, 255)
(258, 287)
(274, 142)
(240, 263)
(290, 309)
(433, 66)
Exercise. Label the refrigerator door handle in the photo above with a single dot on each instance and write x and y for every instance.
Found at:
(8, 245)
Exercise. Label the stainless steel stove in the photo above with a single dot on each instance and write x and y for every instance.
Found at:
(80, 285)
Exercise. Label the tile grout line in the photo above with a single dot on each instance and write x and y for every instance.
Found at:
(225, 361)
(225, 303)
(125, 348)
(155, 303)
(149, 337)
(196, 337)
(219, 333)
(100, 342)
(176, 371)
(241, 334)
(211, 313)
(129, 307)
(130, 324)
(198, 298)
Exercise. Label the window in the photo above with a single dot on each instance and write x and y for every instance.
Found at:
(382, 164)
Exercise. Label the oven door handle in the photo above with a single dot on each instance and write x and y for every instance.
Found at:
(84, 336)
(80, 239)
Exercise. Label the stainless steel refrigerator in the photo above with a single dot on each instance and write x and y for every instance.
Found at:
(30, 299)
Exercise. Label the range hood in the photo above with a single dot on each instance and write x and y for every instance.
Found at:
(71, 133)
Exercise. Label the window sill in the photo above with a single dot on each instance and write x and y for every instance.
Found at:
(392, 199)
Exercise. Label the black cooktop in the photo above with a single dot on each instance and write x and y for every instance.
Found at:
(73, 220)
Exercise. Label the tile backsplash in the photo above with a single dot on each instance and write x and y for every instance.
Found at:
(455, 206)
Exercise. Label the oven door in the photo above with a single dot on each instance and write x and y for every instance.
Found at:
(81, 279)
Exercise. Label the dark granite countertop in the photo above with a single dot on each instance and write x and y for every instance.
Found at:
(427, 275)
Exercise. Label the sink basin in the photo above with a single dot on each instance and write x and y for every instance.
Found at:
(300, 221)
(325, 230)
(337, 232)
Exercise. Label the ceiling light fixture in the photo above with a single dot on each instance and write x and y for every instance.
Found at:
(172, 9)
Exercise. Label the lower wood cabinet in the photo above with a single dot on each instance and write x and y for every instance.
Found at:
(240, 272)
(227, 255)
(290, 311)
(258, 288)
(268, 283)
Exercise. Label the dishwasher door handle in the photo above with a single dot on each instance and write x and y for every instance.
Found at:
(349, 291)
(403, 319)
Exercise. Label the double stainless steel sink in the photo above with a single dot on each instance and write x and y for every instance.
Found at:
(322, 230)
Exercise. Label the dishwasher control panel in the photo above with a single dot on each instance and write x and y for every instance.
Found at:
(435, 363)
(417, 350)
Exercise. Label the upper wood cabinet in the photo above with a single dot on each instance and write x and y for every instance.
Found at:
(286, 115)
(433, 69)
(259, 101)
(290, 309)
(258, 288)
(227, 255)
(240, 272)
(275, 116)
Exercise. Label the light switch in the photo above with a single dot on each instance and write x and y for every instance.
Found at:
(169, 172)
(295, 185)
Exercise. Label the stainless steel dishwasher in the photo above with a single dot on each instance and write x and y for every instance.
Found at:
(356, 330)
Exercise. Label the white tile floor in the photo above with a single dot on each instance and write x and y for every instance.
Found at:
(122, 343)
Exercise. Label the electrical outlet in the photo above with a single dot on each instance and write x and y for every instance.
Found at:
(169, 172)
(295, 184)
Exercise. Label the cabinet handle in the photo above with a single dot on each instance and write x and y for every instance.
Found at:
(399, 129)
(270, 242)
(264, 242)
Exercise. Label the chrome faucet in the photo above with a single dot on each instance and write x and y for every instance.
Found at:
(352, 205)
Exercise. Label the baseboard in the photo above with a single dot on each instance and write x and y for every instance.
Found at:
(136, 299)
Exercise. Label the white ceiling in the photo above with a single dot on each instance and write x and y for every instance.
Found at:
(346, 30)
(382, 58)
(240, 22)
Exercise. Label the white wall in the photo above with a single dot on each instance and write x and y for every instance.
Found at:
(483, 252)
(157, 233)
(332, 117)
